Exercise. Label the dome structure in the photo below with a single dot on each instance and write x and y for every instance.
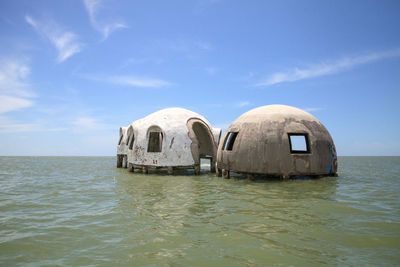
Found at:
(277, 140)
(171, 138)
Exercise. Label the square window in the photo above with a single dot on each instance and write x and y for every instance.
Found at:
(299, 143)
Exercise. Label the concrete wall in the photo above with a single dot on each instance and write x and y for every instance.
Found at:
(262, 144)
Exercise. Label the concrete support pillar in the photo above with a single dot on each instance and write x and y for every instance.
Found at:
(124, 162)
(145, 170)
(219, 172)
(212, 166)
(131, 168)
(119, 161)
(170, 170)
(227, 175)
(250, 176)
(197, 169)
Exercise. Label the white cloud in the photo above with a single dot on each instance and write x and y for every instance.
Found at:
(14, 88)
(243, 104)
(93, 7)
(18, 127)
(27, 127)
(321, 69)
(66, 45)
(129, 80)
(313, 109)
(144, 60)
(183, 45)
(65, 42)
(13, 76)
(86, 124)
(137, 81)
(11, 126)
(9, 103)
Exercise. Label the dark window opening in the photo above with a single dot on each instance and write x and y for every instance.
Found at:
(229, 141)
(120, 139)
(299, 143)
(132, 141)
(155, 142)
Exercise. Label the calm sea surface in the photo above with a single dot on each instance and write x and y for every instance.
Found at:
(71, 211)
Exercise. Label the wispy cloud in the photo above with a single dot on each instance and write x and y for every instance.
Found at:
(65, 42)
(322, 69)
(313, 109)
(14, 87)
(10, 103)
(129, 80)
(11, 126)
(27, 127)
(139, 61)
(105, 28)
(243, 104)
(138, 82)
(13, 78)
(87, 124)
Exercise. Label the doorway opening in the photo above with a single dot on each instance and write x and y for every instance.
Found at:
(204, 150)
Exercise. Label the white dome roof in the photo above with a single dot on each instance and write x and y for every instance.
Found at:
(170, 117)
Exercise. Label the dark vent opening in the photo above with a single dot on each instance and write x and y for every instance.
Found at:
(132, 141)
(155, 142)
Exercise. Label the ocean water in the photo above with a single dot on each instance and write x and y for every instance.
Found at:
(74, 211)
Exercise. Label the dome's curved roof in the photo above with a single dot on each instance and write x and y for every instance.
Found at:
(277, 113)
(172, 114)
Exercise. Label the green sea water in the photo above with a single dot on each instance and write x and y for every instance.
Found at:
(74, 211)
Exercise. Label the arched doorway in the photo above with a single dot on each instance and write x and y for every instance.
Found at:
(203, 145)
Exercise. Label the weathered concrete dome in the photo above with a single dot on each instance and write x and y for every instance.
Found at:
(172, 137)
(277, 140)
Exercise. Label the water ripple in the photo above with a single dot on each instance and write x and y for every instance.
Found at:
(83, 211)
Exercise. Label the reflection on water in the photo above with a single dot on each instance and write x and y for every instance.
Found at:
(80, 211)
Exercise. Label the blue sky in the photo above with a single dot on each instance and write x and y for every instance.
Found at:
(72, 72)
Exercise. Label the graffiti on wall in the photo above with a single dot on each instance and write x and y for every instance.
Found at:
(333, 160)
